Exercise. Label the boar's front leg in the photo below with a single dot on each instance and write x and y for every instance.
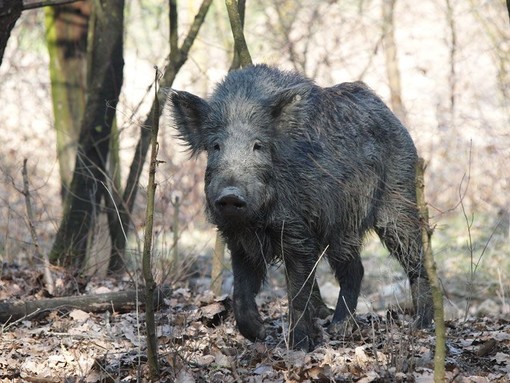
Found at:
(299, 269)
(319, 308)
(248, 277)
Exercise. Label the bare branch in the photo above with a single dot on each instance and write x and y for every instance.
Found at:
(50, 286)
(174, 33)
(237, 32)
(47, 3)
(195, 27)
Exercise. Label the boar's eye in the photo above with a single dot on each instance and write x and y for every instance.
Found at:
(216, 147)
(257, 146)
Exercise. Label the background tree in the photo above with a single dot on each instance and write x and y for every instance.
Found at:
(10, 12)
(295, 26)
(66, 37)
(89, 175)
(390, 55)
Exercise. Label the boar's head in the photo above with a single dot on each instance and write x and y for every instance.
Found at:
(246, 128)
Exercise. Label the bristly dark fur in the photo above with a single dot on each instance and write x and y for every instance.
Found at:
(311, 169)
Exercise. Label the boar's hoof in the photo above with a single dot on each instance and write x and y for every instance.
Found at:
(252, 328)
(303, 345)
(305, 336)
(322, 311)
(342, 328)
(301, 341)
(422, 321)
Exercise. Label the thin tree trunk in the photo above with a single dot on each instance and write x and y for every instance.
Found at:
(150, 284)
(66, 38)
(390, 54)
(430, 266)
(87, 186)
(452, 77)
(125, 203)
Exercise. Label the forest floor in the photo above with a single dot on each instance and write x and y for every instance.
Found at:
(198, 342)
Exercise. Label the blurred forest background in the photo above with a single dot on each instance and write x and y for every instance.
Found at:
(446, 74)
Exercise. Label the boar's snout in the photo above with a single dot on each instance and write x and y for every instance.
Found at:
(230, 203)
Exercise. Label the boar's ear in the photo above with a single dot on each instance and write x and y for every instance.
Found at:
(189, 113)
(289, 106)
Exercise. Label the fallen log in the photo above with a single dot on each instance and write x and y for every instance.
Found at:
(121, 301)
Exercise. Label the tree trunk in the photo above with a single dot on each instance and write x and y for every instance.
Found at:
(66, 38)
(125, 203)
(10, 11)
(105, 63)
(390, 54)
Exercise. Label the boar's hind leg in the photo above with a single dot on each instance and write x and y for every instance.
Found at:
(346, 263)
(403, 240)
(247, 282)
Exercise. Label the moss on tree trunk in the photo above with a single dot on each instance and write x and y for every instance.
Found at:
(105, 64)
(66, 39)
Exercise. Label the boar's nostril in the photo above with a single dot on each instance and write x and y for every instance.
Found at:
(230, 203)
(231, 200)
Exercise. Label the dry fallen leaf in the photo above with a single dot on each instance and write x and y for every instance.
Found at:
(184, 376)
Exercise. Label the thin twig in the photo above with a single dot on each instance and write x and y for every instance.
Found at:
(30, 213)
(30, 216)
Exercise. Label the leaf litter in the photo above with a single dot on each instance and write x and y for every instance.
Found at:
(198, 342)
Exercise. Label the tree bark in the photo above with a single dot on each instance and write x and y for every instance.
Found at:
(105, 63)
(66, 38)
(10, 11)
(120, 224)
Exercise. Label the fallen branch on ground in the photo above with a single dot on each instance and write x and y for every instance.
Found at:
(121, 301)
